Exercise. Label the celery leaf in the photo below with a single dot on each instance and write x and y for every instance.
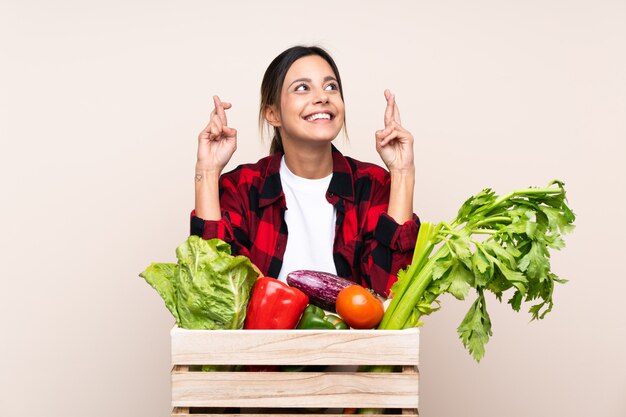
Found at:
(475, 329)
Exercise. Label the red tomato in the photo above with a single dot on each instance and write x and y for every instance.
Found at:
(359, 308)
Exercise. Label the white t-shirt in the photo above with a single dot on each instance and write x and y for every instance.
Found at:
(310, 222)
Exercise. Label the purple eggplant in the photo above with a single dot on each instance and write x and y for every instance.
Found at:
(321, 287)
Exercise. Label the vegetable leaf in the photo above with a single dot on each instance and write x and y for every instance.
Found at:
(162, 277)
(475, 329)
(535, 263)
(515, 278)
(482, 268)
(457, 281)
(208, 288)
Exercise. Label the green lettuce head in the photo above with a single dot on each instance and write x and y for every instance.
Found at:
(208, 288)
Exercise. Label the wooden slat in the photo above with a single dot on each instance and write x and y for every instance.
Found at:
(305, 347)
(294, 389)
(289, 415)
(410, 369)
(180, 411)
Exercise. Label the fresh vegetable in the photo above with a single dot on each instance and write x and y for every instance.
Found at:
(208, 288)
(359, 307)
(321, 287)
(494, 244)
(337, 321)
(316, 318)
(274, 305)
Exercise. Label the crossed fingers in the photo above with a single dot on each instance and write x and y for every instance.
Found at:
(392, 114)
(218, 123)
(392, 121)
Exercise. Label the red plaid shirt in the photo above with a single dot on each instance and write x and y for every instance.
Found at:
(369, 247)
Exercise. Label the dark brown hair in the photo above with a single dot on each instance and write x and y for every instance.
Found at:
(272, 84)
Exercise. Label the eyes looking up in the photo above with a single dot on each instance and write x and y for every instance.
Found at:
(328, 87)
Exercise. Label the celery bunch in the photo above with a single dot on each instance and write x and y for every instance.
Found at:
(495, 244)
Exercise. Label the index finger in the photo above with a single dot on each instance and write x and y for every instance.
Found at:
(219, 110)
(389, 110)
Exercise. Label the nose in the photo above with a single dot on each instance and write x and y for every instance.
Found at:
(322, 97)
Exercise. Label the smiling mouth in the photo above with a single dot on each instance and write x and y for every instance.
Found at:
(319, 116)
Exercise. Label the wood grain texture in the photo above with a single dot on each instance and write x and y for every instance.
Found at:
(273, 392)
(180, 411)
(294, 389)
(412, 414)
(304, 347)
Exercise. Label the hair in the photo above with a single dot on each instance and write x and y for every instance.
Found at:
(272, 85)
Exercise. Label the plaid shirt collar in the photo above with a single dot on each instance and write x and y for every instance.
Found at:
(341, 183)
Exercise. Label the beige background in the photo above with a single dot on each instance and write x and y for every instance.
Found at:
(100, 106)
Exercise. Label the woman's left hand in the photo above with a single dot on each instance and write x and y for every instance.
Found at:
(394, 143)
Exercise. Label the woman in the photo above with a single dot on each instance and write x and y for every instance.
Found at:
(306, 206)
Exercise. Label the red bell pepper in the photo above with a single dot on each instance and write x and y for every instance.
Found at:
(274, 305)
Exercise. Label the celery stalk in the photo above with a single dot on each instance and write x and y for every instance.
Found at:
(495, 244)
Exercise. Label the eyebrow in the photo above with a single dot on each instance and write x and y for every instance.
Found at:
(308, 80)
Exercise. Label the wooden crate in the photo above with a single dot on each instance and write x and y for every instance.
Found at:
(288, 393)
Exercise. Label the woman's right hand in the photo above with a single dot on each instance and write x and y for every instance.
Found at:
(217, 142)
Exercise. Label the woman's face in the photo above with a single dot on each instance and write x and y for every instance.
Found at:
(311, 105)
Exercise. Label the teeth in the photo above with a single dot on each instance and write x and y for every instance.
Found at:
(318, 116)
